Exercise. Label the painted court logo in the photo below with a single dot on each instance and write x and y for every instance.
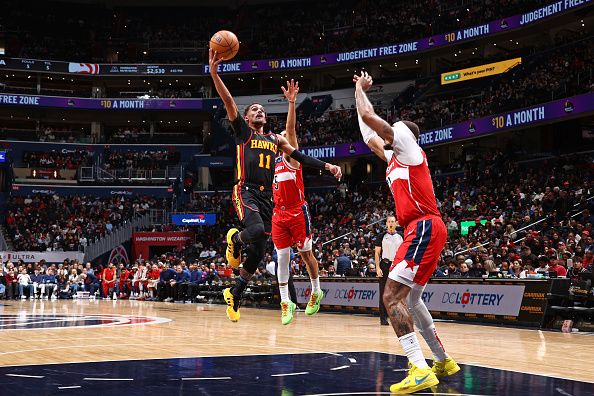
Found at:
(51, 321)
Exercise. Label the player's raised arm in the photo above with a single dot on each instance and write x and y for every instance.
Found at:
(230, 105)
(365, 108)
(291, 94)
(372, 140)
(307, 160)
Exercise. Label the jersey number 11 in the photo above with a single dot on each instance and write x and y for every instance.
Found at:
(268, 157)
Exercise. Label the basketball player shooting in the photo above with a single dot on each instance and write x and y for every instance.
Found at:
(425, 234)
(290, 219)
(252, 193)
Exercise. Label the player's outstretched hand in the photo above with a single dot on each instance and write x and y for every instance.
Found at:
(291, 91)
(336, 171)
(213, 62)
(364, 81)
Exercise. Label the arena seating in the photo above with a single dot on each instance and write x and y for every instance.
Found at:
(145, 160)
(319, 27)
(57, 160)
(58, 223)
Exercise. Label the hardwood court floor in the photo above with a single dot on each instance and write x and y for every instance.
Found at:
(94, 331)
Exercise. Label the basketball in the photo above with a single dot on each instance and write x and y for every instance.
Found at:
(225, 43)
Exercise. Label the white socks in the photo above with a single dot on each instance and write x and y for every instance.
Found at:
(284, 292)
(412, 349)
(315, 285)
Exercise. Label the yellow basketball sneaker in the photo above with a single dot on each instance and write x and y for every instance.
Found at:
(445, 368)
(287, 311)
(233, 252)
(417, 379)
(313, 306)
(232, 305)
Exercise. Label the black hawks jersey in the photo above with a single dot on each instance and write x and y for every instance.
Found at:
(254, 163)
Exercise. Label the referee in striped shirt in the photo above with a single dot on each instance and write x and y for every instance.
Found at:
(386, 246)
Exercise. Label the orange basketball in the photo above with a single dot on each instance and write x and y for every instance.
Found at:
(225, 43)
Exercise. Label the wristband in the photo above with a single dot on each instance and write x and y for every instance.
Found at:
(307, 160)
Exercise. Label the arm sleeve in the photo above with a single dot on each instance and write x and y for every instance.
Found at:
(241, 130)
(366, 132)
(306, 160)
(405, 146)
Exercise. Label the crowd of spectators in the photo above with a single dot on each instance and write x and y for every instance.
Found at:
(550, 75)
(168, 278)
(489, 188)
(144, 160)
(528, 218)
(128, 135)
(54, 134)
(65, 159)
(68, 223)
(96, 33)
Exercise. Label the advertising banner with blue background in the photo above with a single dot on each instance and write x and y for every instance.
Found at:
(194, 219)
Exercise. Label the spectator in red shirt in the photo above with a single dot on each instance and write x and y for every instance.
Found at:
(123, 282)
(558, 267)
(153, 279)
(588, 261)
(109, 280)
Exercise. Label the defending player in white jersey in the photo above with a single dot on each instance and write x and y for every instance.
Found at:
(425, 234)
(291, 222)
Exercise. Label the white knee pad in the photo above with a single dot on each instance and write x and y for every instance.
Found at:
(284, 258)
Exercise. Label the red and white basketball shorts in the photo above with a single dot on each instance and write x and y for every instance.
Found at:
(417, 257)
(290, 226)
